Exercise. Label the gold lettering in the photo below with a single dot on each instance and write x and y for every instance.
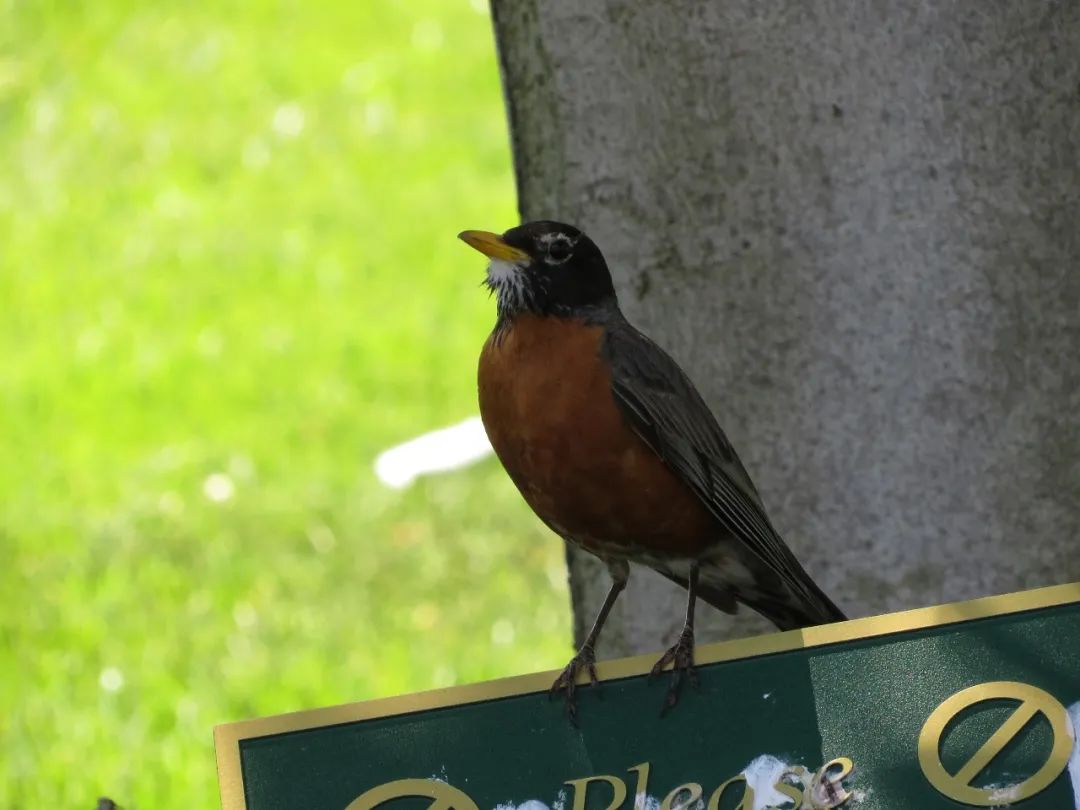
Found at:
(641, 792)
(1032, 702)
(793, 792)
(693, 789)
(826, 789)
(442, 795)
(798, 792)
(581, 787)
(747, 802)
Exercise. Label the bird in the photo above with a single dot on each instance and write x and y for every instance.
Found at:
(615, 450)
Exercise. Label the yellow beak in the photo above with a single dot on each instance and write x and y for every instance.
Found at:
(491, 244)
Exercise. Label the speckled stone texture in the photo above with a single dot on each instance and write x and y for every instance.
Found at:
(857, 226)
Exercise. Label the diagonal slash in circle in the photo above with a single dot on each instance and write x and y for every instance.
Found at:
(1033, 702)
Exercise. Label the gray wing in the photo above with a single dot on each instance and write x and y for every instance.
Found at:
(667, 412)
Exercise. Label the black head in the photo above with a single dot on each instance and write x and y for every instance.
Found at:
(544, 267)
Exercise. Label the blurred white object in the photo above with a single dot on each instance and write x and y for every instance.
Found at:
(449, 448)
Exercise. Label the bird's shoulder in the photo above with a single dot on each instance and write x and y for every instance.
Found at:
(666, 409)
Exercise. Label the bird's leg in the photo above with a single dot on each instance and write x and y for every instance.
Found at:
(586, 656)
(681, 654)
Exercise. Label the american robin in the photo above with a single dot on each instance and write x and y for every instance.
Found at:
(614, 449)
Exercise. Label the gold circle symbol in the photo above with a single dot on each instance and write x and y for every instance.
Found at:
(1032, 702)
(442, 795)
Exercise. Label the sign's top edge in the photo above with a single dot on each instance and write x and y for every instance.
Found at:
(230, 734)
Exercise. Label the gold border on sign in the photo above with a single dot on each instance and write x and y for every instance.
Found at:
(227, 737)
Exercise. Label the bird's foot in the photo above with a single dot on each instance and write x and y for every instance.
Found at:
(681, 657)
(585, 660)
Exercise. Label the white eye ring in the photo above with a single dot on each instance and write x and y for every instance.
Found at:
(564, 246)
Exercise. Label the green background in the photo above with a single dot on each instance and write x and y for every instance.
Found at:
(228, 265)
(866, 700)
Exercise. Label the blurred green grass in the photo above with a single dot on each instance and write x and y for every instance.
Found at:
(227, 259)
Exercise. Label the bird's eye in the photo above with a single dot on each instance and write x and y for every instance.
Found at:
(559, 250)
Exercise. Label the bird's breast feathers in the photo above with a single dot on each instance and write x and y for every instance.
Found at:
(547, 404)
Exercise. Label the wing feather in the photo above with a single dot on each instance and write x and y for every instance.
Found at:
(666, 410)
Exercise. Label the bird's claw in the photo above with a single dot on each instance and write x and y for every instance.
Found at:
(567, 680)
(681, 657)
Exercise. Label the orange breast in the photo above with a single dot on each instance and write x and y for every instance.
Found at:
(547, 405)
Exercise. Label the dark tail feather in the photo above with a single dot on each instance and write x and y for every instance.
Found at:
(786, 611)
(790, 611)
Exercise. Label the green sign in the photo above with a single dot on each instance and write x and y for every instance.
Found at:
(965, 705)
